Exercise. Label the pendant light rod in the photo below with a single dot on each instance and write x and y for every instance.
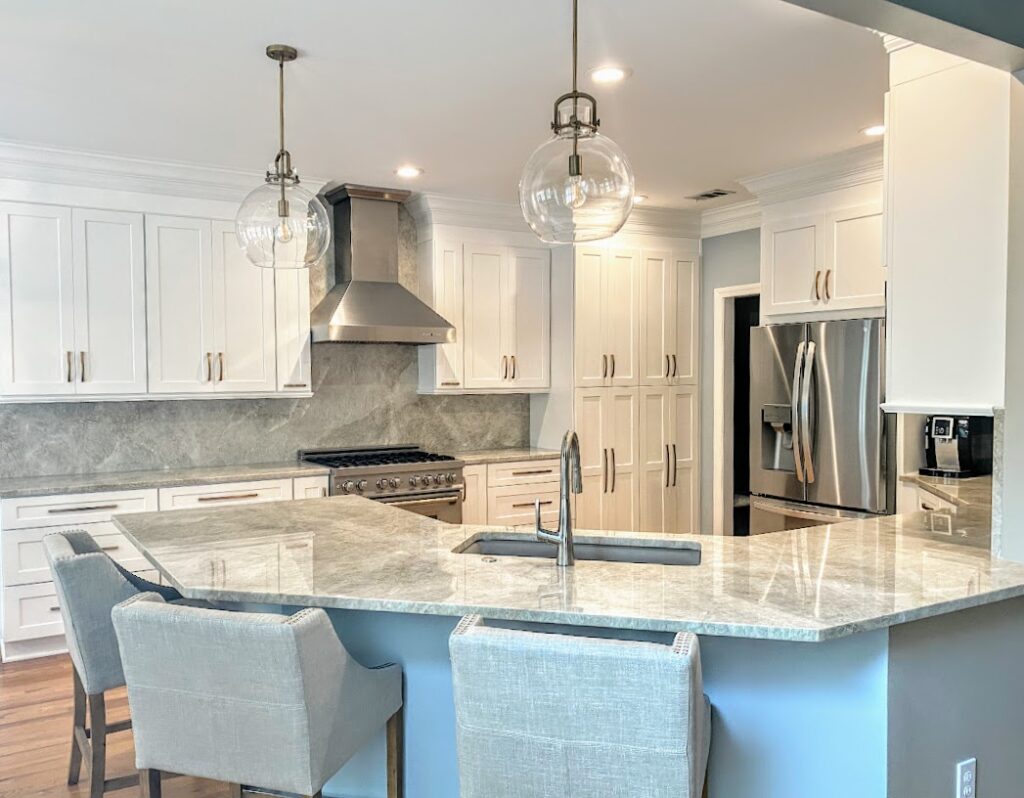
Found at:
(575, 41)
(283, 172)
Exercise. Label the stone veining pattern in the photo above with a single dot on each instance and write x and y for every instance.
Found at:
(364, 394)
(803, 585)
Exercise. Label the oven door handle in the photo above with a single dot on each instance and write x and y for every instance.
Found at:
(445, 499)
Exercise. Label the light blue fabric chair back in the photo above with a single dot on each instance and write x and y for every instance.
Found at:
(248, 698)
(542, 715)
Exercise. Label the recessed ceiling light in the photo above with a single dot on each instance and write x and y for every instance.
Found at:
(873, 130)
(610, 74)
(408, 171)
(639, 199)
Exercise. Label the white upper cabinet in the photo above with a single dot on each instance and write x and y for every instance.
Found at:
(824, 255)
(37, 304)
(498, 298)
(243, 307)
(294, 364)
(669, 315)
(607, 316)
(110, 301)
(179, 278)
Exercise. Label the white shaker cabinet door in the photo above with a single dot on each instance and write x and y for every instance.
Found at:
(657, 317)
(488, 361)
(590, 404)
(110, 302)
(654, 474)
(792, 263)
(529, 285)
(682, 439)
(621, 422)
(179, 280)
(474, 503)
(442, 281)
(620, 308)
(684, 297)
(591, 356)
(854, 269)
(36, 300)
(243, 306)
(294, 364)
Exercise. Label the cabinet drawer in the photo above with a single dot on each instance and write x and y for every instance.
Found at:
(928, 501)
(522, 473)
(310, 487)
(24, 557)
(31, 611)
(73, 509)
(265, 490)
(512, 506)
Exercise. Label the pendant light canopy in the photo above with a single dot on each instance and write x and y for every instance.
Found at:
(281, 225)
(577, 186)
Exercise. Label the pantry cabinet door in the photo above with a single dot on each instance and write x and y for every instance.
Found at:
(36, 300)
(854, 268)
(657, 317)
(179, 302)
(621, 427)
(110, 302)
(487, 363)
(591, 355)
(654, 471)
(529, 285)
(243, 309)
(590, 406)
(620, 308)
(685, 310)
(683, 432)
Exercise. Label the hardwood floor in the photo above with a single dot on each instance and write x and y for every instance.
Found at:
(35, 737)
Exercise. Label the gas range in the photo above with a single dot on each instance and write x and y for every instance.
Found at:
(406, 476)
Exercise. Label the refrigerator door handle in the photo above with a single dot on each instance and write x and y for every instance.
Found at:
(805, 413)
(795, 410)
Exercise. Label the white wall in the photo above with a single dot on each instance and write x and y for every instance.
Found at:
(733, 259)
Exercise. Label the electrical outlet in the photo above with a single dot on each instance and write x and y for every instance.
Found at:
(967, 778)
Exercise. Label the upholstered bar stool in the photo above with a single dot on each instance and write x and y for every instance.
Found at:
(540, 714)
(89, 584)
(265, 700)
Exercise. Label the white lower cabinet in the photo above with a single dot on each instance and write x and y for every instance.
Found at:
(31, 619)
(607, 424)
(474, 499)
(505, 494)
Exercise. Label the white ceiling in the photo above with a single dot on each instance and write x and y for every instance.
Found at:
(463, 88)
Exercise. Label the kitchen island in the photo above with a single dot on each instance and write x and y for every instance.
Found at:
(819, 645)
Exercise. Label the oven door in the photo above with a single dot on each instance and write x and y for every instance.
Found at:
(444, 506)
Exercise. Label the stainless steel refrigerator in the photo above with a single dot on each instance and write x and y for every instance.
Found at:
(820, 446)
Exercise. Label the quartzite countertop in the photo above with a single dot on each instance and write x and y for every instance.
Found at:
(483, 456)
(803, 585)
(20, 487)
(961, 492)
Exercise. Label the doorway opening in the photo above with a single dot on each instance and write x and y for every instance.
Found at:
(737, 310)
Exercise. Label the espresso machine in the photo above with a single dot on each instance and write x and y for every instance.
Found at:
(957, 447)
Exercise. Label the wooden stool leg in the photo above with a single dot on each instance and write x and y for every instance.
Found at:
(395, 734)
(149, 783)
(98, 744)
(78, 722)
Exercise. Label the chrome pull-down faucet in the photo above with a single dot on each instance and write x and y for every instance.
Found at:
(570, 481)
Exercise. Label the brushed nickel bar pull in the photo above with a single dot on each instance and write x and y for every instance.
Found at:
(81, 366)
(513, 366)
(828, 294)
(229, 498)
(667, 465)
(604, 473)
(504, 366)
(448, 384)
(675, 466)
(296, 545)
(613, 469)
(71, 366)
(604, 367)
(668, 365)
(209, 367)
(220, 366)
(817, 287)
(109, 548)
(533, 471)
(613, 365)
(296, 385)
(87, 508)
(533, 504)
(675, 366)
(55, 609)
(445, 500)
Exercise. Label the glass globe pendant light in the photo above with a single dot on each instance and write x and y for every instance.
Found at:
(281, 225)
(578, 185)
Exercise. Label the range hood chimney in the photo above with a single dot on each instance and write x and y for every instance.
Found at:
(367, 303)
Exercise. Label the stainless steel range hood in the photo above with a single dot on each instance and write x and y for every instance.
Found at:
(367, 303)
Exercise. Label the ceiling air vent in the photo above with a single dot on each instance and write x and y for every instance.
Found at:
(711, 194)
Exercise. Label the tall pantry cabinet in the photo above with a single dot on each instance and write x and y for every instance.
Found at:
(635, 406)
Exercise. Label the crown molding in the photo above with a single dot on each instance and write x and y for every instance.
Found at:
(733, 218)
(855, 167)
(28, 162)
(439, 209)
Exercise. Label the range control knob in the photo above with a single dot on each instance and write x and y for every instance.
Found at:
(361, 486)
(348, 487)
(414, 481)
(382, 483)
(427, 479)
(449, 478)
(394, 482)
(439, 479)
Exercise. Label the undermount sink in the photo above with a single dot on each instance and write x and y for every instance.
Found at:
(683, 552)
